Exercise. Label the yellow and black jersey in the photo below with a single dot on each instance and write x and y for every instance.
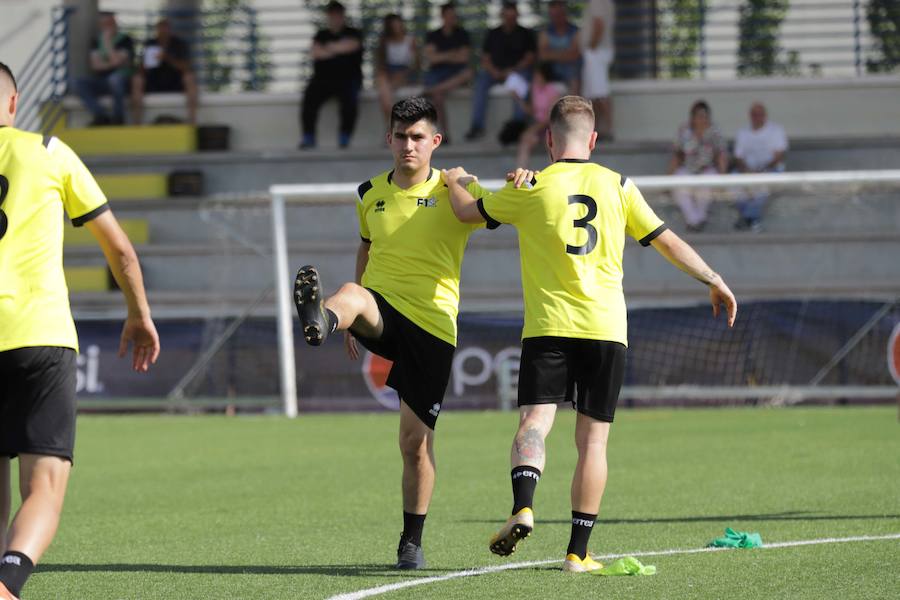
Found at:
(416, 250)
(572, 224)
(39, 179)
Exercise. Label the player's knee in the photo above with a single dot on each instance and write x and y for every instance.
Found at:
(413, 446)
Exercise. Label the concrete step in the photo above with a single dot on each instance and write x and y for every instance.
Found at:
(133, 186)
(254, 172)
(129, 140)
(138, 232)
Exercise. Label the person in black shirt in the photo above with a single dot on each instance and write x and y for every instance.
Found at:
(337, 71)
(166, 67)
(507, 49)
(447, 51)
(111, 59)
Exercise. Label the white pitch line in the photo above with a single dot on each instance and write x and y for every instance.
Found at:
(393, 587)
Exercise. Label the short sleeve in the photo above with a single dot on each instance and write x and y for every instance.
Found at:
(180, 49)
(502, 206)
(718, 140)
(530, 41)
(740, 144)
(678, 144)
(321, 36)
(82, 197)
(364, 232)
(641, 223)
(431, 38)
(781, 141)
(463, 38)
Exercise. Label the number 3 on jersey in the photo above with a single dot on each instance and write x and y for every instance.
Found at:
(584, 223)
(4, 189)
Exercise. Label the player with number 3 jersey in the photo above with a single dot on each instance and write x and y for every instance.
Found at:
(572, 224)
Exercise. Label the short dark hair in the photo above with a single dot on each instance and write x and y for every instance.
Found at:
(561, 3)
(335, 7)
(545, 68)
(700, 105)
(410, 110)
(508, 4)
(447, 6)
(9, 73)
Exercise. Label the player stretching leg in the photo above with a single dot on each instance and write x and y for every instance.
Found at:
(572, 225)
(39, 179)
(402, 307)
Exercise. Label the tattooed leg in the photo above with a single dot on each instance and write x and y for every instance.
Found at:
(535, 423)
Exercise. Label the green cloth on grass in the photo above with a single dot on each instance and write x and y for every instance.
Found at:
(626, 566)
(736, 539)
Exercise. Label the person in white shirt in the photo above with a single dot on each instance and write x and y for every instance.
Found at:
(597, 40)
(759, 148)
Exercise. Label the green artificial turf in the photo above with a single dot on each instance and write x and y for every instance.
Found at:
(264, 507)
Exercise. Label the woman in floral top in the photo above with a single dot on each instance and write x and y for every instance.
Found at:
(699, 149)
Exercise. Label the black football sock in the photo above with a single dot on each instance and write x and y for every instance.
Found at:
(524, 482)
(582, 524)
(15, 569)
(332, 320)
(412, 527)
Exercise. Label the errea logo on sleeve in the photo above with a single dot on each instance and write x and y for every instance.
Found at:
(379, 206)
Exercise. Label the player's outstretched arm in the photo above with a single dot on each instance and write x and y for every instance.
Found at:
(139, 329)
(679, 253)
(465, 206)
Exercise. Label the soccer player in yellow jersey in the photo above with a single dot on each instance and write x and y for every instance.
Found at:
(572, 225)
(39, 179)
(404, 302)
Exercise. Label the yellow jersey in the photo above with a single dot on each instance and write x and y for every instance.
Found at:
(572, 224)
(40, 177)
(416, 251)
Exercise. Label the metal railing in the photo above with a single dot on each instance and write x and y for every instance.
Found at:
(45, 77)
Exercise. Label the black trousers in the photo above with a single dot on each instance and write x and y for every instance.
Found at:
(318, 91)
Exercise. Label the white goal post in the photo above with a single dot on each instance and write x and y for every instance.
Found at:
(334, 193)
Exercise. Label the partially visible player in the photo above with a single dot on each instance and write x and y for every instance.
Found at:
(39, 179)
(572, 225)
(404, 302)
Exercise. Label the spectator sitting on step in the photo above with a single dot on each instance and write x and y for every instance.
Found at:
(337, 72)
(165, 67)
(759, 148)
(699, 149)
(447, 51)
(558, 45)
(508, 50)
(396, 61)
(545, 91)
(111, 60)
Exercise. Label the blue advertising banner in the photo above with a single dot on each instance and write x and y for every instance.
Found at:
(772, 343)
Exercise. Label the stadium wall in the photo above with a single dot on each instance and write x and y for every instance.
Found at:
(644, 110)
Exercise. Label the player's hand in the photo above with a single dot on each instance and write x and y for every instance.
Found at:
(520, 176)
(141, 333)
(720, 295)
(457, 175)
(351, 345)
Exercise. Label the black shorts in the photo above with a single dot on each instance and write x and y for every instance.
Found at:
(37, 402)
(163, 81)
(587, 373)
(422, 362)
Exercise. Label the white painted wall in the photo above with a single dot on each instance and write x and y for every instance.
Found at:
(23, 25)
